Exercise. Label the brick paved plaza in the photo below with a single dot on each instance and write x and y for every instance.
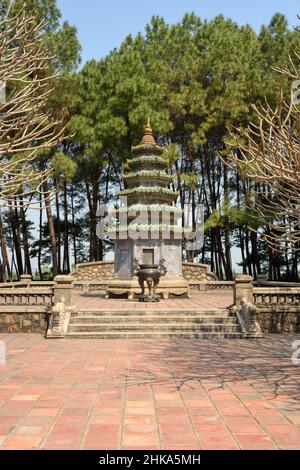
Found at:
(154, 394)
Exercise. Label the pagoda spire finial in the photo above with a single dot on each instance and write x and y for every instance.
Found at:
(148, 138)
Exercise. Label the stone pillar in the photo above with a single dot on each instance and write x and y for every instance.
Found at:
(63, 290)
(243, 289)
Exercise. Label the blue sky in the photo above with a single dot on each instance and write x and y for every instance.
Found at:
(103, 24)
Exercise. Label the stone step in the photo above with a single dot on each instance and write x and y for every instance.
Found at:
(143, 319)
(153, 335)
(144, 327)
(151, 312)
(152, 322)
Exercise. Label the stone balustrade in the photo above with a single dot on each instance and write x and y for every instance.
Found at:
(24, 310)
(26, 306)
(278, 307)
(277, 297)
(24, 297)
(206, 286)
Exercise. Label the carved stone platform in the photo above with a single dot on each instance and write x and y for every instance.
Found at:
(131, 288)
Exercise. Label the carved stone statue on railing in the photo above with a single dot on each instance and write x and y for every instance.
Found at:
(59, 320)
(247, 314)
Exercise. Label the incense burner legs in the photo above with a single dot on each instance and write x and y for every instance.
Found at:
(149, 275)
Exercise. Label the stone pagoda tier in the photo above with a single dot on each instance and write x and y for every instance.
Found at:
(148, 228)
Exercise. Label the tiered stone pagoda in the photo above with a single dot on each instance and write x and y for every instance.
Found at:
(147, 228)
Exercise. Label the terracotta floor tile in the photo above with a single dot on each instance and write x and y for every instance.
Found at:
(108, 429)
(278, 429)
(25, 397)
(30, 430)
(255, 442)
(43, 412)
(22, 442)
(133, 394)
(214, 438)
(140, 439)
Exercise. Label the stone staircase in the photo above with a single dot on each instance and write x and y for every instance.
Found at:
(151, 323)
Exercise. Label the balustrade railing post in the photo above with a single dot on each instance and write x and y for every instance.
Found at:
(26, 279)
(243, 289)
(63, 290)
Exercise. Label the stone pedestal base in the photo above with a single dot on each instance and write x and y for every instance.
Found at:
(131, 288)
(149, 298)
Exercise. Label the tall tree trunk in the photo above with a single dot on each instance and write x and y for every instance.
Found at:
(228, 259)
(248, 259)
(13, 218)
(255, 254)
(216, 248)
(240, 231)
(242, 246)
(272, 275)
(221, 255)
(51, 228)
(13, 265)
(58, 231)
(191, 203)
(5, 270)
(27, 263)
(73, 226)
(277, 267)
(96, 246)
(66, 263)
(295, 262)
(40, 269)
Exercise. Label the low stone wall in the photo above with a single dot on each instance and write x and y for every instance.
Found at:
(200, 278)
(88, 276)
(23, 322)
(197, 272)
(98, 271)
(279, 309)
(25, 309)
(273, 321)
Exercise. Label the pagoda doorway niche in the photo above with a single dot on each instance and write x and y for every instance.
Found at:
(148, 256)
